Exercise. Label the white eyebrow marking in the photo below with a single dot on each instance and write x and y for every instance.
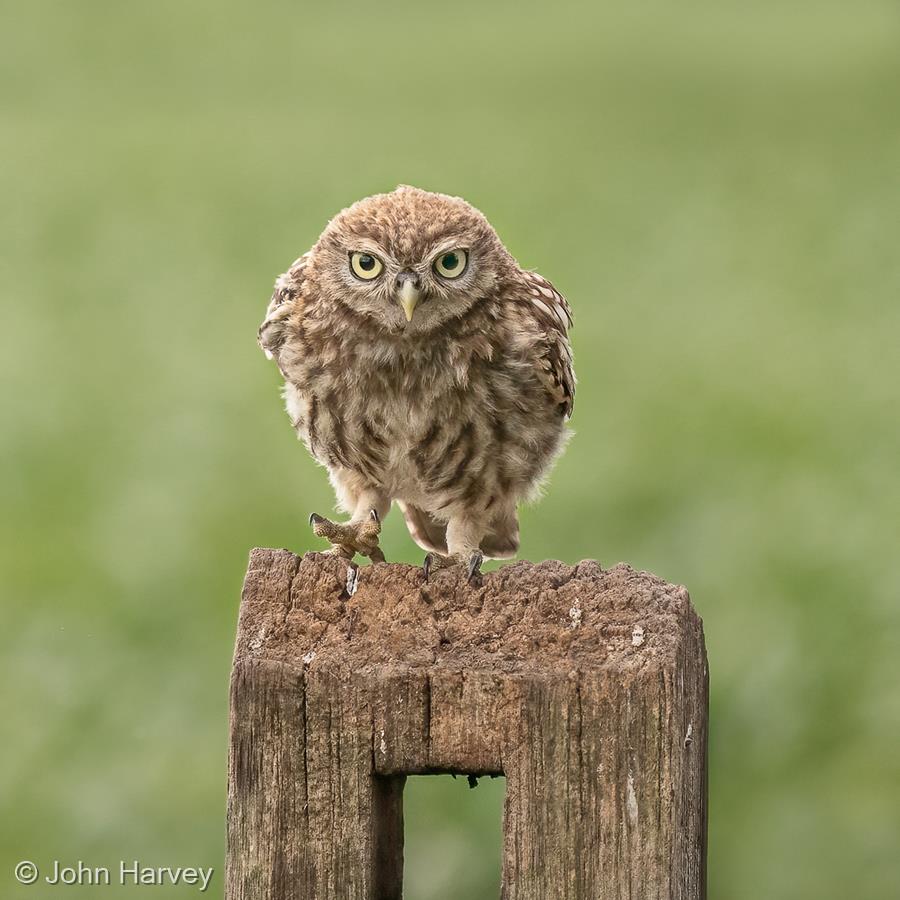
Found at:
(446, 245)
(366, 245)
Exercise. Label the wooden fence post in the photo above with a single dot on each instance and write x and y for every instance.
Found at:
(586, 688)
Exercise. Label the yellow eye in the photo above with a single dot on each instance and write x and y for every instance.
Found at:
(365, 265)
(451, 264)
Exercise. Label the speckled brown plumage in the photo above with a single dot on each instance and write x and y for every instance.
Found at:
(455, 409)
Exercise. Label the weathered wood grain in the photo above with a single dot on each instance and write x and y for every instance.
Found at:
(585, 687)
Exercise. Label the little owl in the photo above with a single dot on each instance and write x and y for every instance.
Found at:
(422, 365)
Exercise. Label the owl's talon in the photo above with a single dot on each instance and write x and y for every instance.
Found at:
(352, 579)
(314, 518)
(474, 566)
(434, 562)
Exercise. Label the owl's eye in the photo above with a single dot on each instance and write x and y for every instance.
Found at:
(451, 264)
(365, 265)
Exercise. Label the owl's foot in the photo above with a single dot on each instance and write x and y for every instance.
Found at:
(472, 562)
(350, 538)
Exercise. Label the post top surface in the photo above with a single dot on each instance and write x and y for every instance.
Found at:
(524, 617)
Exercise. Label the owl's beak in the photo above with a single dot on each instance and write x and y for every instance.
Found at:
(409, 297)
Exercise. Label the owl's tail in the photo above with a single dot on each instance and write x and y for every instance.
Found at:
(501, 541)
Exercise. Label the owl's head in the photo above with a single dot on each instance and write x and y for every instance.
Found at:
(410, 260)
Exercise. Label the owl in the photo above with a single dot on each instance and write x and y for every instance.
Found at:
(423, 367)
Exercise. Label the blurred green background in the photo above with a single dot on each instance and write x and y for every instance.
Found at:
(716, 188)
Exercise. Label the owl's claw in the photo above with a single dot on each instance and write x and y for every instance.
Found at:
(474, 566)
(352, 537)
(352, 579)
(434, 561)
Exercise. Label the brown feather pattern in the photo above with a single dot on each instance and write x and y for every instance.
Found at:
(458, 414)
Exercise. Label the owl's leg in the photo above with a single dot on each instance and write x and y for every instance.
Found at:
(464, 536)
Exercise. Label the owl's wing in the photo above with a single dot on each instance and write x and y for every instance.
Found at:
(550, 312)
(288, 288)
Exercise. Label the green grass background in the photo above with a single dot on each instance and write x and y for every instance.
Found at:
(715, 187)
